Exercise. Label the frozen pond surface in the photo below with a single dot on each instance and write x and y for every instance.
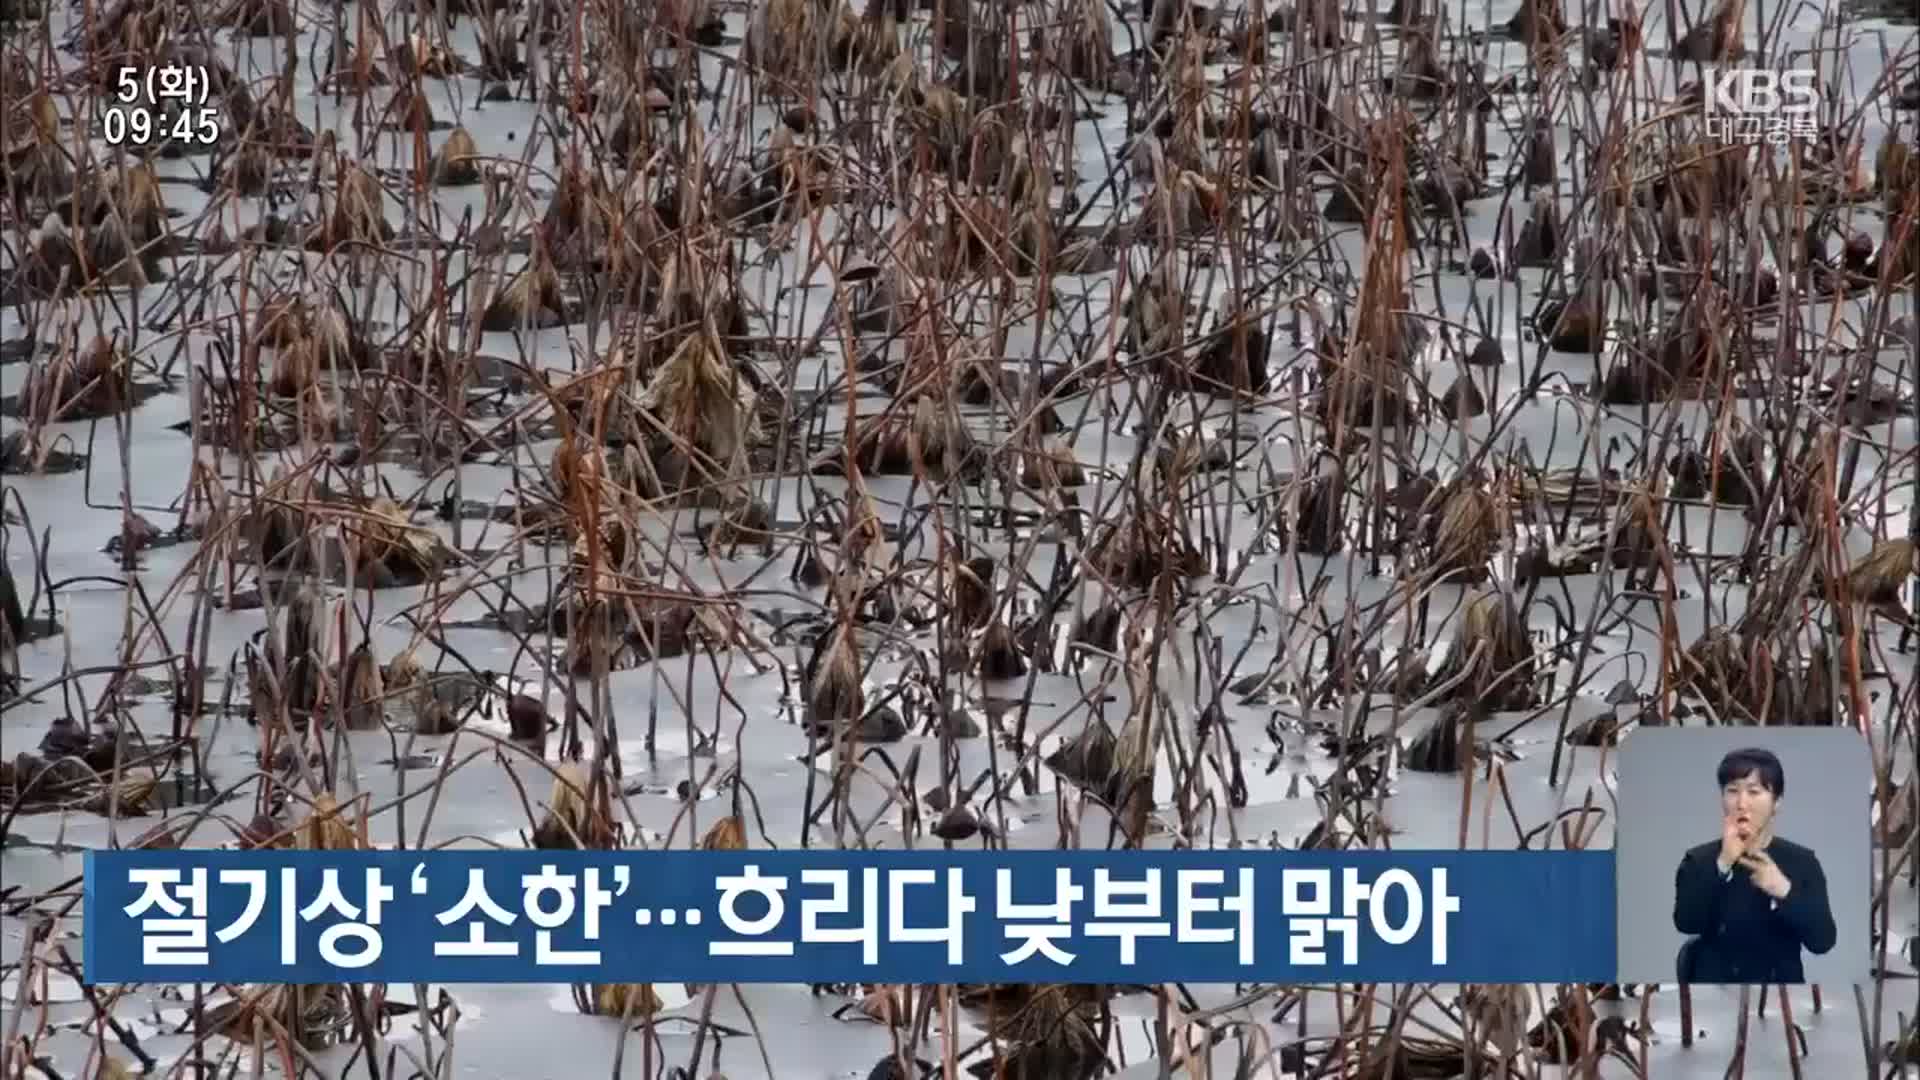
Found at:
(730, 720)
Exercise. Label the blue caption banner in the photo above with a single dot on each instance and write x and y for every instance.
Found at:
(849, 916)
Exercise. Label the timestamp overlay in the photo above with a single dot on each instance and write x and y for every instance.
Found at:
(155, 106)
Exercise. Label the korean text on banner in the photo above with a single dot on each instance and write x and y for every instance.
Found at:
(846, 916)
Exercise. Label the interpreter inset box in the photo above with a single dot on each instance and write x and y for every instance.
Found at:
(1744, 856)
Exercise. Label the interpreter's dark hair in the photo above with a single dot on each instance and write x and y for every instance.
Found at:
(1753, 761)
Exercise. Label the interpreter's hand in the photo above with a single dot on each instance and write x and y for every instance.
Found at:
(1733, 842)
(1766, 874)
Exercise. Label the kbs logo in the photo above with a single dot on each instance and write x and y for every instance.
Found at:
(1749, 105)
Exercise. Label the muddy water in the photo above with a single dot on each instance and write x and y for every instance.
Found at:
(705, 720)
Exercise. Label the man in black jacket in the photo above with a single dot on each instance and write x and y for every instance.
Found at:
(1751, 900)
